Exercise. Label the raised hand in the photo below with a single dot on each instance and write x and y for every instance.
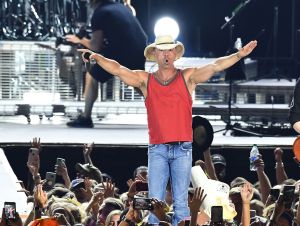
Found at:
(36, 143)
(129, 182)
(247, 49)
(158, 209)
(259, 163)
(278, 152)
(246, 193)
(141, 178)
(109, 188)
(132, 189)
(10, 222)
(40, 196)
(133, 215)
(34, 169)
(84, 51)
(62, 171)
(72, 38)
(197, 200)
(88, 148)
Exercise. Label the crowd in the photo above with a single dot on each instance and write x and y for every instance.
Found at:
(92, 199)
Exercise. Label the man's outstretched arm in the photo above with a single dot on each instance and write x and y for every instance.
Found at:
(202, 74)
(135, 78)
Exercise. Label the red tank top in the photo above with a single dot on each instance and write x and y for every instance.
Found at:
(169, 109)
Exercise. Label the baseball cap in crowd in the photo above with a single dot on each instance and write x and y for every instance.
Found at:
(90, 171)
(238, 181)
(77, 183)
(218, 159)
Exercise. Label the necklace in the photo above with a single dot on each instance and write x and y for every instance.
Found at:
(164, 82)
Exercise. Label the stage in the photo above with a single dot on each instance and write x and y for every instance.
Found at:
(116, 130)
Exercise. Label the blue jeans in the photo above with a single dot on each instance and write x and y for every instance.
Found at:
(170, 161)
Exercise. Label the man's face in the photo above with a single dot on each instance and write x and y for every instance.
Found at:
(166, 57)
(114, 220)
(220, 171)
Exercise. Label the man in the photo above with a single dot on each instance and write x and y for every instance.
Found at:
(116, 34)
(220, 166)
(168, 99)
(295, 108)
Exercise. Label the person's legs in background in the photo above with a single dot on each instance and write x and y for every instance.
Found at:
(90, 95)
(96, 75)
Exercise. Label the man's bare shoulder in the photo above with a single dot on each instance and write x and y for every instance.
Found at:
(187, 72)
(142, 74)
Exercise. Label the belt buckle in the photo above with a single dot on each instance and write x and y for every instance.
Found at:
(175, 143)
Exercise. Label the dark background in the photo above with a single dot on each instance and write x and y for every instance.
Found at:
(200, 23)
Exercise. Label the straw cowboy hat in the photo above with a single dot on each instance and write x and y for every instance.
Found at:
(164, 42)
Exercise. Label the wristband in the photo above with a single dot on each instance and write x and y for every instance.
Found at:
(238, 56)
(279, 164)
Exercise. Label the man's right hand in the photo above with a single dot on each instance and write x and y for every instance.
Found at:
(73, 38)
(278, 152)
(88, 148)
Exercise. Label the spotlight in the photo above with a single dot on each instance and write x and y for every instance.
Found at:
(166, 25)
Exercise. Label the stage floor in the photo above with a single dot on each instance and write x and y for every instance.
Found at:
(117, 130)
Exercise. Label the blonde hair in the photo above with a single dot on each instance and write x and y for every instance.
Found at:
(110, 215)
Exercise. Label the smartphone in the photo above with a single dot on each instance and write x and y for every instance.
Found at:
(288, 192)
(216, 214)
(33, 156)
(50, 179)
(10, 210)
(274, 192)
(141, 186)
(140, 203)
(61, 162)
(187, 223)
(252, 214)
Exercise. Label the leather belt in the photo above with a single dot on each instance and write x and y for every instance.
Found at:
(175, 143)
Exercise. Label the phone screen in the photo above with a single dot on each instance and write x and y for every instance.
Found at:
(50, 179)
(60, 162)
(274, 193)
(141, 186)
(33, 156)
(140, 203)
(288, 195)
(10, 210)
(187, 223)
(216, 214)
